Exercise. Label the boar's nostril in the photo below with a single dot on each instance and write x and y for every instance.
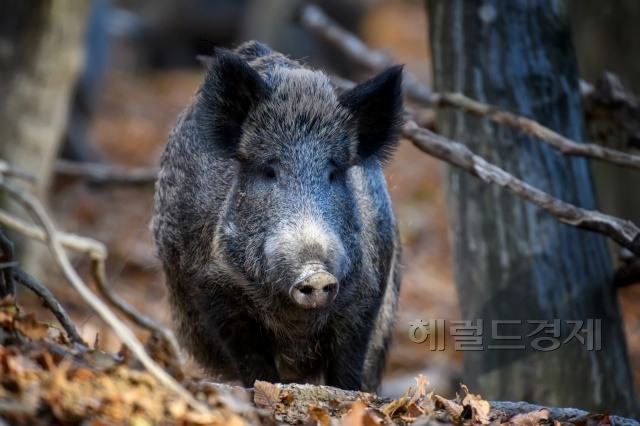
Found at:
(315, 290)
(306, 289)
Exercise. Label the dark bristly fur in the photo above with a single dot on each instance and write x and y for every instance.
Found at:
(266, 174)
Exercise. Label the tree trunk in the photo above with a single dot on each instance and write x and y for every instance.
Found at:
(512, 261)
(40, 55)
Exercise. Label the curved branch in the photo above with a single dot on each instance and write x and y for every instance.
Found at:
(98, 254)
(624, 232)
(124, 333)
(104, 174)
(49, 302)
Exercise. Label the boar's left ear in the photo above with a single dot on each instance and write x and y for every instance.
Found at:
(377, 106)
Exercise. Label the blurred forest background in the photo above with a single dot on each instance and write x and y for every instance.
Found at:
(139, 70)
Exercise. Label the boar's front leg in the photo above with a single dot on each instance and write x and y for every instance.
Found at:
(346, 360)
(249, 351)
(243, 343)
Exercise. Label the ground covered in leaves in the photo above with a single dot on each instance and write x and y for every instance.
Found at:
(44, 379)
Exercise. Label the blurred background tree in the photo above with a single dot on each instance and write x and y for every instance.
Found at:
(41, 52)
(512, 261)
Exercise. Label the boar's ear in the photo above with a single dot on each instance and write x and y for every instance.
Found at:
(377, 106)
(231, 88)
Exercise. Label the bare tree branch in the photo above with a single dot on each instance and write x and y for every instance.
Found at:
(98, 254)
(49, 302)
(124, 333)
(95, 249)
(623, 232)
(564, 145)
(100, 276)
(7, 169)
(316, 20)
(106, 174)
(7, 286)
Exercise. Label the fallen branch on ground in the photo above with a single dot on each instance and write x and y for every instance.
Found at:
(316, 20)
(623, 232)
(49, 302)
(98, 254)
(100, 276)
(7, 169)
(124, 333)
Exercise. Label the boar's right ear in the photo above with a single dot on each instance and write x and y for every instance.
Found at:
(377, 107)
(231, 88)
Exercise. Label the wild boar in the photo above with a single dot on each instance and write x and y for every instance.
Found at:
(274, 225)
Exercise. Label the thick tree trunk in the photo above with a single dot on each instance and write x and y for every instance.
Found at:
(40, 55)
(511, 260)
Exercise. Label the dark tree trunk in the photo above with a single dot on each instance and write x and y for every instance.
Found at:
(511, 260)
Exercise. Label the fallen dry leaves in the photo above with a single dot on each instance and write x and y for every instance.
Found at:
(45, 379)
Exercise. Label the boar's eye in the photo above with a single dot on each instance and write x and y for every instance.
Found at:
(333, 175)
(269, 173)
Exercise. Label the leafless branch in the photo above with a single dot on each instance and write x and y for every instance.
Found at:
(316, 20)
(49, 302)
(562, 144)
(124, 333)
(98, 254)
(93, 248)
(623, 232)
(7, 285)
(100, 276)
(106, 174)
(7, 169)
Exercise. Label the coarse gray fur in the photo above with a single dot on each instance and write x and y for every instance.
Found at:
(267, 171)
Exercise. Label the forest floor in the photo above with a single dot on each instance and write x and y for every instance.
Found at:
(130, 127)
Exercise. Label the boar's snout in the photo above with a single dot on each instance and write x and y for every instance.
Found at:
(314, 288)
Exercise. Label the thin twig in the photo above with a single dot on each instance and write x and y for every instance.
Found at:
(106, 174)
(124, 333)
(100, 276)
(98, 254)
(7, 169)
(316, 20)
(95, 249)
(562, 144)
(624, 232)
(49, 302)
(6, 251)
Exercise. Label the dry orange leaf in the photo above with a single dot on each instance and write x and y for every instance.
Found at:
(318, 415)
(480, 409)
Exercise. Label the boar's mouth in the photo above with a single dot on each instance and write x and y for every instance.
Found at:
(314, 287)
